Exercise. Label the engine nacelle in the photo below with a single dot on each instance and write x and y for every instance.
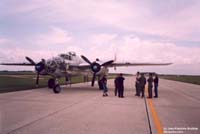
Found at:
(39, 66)
(95, 67)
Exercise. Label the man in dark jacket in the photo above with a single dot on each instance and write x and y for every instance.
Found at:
(116, 85)
(150, 85)
(156, 80)
(120, 81)
(142, 81)
(137, 84)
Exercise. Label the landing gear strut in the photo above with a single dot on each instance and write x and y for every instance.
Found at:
(53, 83)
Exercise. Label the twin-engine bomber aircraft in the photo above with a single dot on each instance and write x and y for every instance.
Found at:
(69, 64)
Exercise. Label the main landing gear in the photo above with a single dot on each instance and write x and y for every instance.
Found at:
(53, 83)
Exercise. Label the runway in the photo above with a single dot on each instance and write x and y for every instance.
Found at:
(81, 109)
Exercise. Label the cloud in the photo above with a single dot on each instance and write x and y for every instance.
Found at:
(3, 41)
(56, 35)
(133, 48)
(135, 30)
(104, 46)
(20, 7)
(163, 18)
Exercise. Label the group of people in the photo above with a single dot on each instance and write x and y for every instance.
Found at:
(139, 85)
(119, 85)
(141, 82)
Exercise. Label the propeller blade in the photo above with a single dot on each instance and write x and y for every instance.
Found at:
(107, 63)
(37, 79)
(30, 60)
(93, 79)
(86, 59)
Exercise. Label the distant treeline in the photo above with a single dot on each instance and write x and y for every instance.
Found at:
(5, 72)
(183, 78)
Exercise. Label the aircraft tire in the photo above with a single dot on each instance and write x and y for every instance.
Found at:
(57, 89)
(51, 83)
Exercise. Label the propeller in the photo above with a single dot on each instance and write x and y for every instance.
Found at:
(95, 67)
(86, 59)
(38, 67)
(37, 79)
(30, 60)
(93, 79)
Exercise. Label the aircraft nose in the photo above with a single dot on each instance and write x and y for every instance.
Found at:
(39, 66)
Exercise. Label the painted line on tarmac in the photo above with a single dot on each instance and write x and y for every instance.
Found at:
(154, 114)
(156, 119)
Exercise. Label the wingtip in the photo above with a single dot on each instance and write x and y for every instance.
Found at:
(169, 63)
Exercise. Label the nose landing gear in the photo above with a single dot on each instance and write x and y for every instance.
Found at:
(53, 84)
(57, 89)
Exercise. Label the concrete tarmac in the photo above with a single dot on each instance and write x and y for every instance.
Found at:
(178, 107)
(81, 109)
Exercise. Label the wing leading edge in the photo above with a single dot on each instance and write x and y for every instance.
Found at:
(88, 66)
(123, 65)
(138, 64)
(17, 64)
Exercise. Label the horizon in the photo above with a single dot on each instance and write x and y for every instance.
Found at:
(32, 71)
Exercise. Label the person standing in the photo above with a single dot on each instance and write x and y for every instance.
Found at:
(104, 85)
(156, 81)
(116, 85)
(120, 81)
(150, 85)
(137, 84)
(142, 83)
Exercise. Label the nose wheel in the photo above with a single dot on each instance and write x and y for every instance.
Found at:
(53, 84)
(57, 89)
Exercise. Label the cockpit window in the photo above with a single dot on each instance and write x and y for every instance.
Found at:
(72, 53)
(66, 56)
(62, 55)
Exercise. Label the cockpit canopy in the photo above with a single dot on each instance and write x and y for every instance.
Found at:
(68, 56)
(72, 53)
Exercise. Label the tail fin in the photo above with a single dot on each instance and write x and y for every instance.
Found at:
(115, 59)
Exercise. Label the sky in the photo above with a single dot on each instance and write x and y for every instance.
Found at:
(133, 30)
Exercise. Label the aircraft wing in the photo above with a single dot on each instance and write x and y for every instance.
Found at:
(122, 64)
(17, 64)
(137, 64)
(30, 63)
(81, 67)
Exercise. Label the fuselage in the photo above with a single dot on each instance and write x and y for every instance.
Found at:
(67, 64)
